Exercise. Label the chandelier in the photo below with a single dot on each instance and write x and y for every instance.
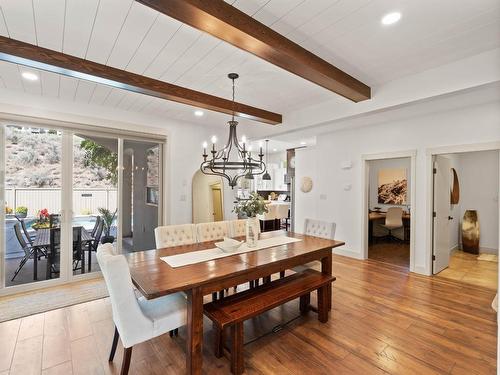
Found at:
(234, 160)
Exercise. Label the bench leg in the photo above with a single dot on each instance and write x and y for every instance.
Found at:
(237, 366)
(305, 302)
(323, 307)
(218, 341)
(282, 274)
(267, 279)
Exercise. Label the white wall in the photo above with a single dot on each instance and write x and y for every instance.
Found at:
(306, 204)
(374, 167)
(478, 179)
(474, 124)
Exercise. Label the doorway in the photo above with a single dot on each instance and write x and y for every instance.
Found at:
(208, 198)
(217, 202)
(387, 225)
(466, 217)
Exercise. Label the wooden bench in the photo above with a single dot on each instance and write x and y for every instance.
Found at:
(232, 311)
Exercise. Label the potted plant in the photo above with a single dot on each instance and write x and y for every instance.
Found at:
(42, 221)
(255, 205)
(107, 218)
(21, 212)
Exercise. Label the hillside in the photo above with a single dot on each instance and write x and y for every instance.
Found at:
(33, 160)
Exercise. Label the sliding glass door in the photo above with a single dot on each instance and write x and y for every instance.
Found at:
(32, 195)
(94, 196)
(62, 189)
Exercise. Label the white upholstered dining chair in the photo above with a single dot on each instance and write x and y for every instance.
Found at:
(238, 227)
(136, 319)
(175, 235)
(216, 230)
(316, 228)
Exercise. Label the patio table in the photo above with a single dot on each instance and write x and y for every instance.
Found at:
(42, 239)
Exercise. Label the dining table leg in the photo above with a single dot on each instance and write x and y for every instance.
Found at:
(326, 268)
(194, 359)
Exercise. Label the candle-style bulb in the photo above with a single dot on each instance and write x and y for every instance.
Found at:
(214, 139)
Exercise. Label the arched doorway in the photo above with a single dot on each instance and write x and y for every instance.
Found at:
(208, 198)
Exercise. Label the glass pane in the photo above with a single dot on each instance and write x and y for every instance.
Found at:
(141, 194)
(33, 204)
(95, 179)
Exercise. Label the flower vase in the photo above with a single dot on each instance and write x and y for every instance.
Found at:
(252, 231)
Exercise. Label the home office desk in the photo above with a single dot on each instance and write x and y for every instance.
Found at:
(380, 216)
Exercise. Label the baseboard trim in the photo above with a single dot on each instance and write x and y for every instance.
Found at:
(421, 270)
(348, 253)
(487, 250)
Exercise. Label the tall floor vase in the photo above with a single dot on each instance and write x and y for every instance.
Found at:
(470, 232)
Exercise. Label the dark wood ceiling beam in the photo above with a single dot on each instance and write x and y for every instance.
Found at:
(231, 25)
(18, 52)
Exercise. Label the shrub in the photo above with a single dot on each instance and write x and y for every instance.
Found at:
(27, 157)
(39, 179)
(22, 210)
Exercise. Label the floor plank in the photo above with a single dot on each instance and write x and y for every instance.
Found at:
(384, 321)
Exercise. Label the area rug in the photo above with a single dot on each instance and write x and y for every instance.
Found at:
(488, 257)
(38, 301)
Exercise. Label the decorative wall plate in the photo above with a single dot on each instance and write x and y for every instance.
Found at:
(306, 184)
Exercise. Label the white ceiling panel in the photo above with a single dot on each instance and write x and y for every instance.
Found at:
(67, 88)
(31, 86)
(173, 51)
(3, 26)
(50, 84)
(114, 97)
(347, 33)
(19, 19)
(84, 91)
(79, 21)
(110, 18)
(157, 38)
(196, 53)
(100, 94)
(10, 76)
(139, 22)
(49, 22)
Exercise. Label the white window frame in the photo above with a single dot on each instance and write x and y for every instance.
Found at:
(68, 130)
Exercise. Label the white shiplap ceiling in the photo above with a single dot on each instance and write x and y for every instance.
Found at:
(127, 35)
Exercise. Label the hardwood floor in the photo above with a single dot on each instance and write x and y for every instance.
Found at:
(473, 269)
(384, 320)
(397, 253)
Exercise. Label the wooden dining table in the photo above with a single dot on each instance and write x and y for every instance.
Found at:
(155, 278)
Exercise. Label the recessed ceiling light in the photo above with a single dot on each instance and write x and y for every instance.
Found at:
(303, 143)
(275, 149)
(30, 76)
(391, 18)
(198, 113)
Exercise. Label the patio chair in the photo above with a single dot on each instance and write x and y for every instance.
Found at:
(29, 237)
(96, 225)
(94, 243)
(28, 250)
(54, 252)
(54, 220)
